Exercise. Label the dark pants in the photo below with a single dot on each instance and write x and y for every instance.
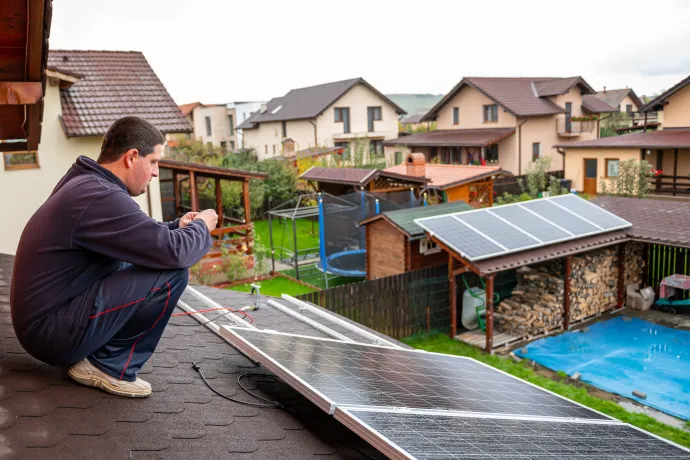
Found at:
(130, 312)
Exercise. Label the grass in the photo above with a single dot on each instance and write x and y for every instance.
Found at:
(317, 280)
(441, 343)
(283, 235)
(275, 287)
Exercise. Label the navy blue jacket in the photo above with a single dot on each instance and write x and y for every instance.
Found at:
(82, 233)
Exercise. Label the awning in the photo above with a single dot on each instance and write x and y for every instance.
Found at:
(454, 138)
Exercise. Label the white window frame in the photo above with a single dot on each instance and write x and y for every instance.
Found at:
(428, 247)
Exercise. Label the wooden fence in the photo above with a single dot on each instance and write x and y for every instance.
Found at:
(663, 261)
(397, 306)
(511, 184)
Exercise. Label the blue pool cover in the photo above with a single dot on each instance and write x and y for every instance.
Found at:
(621, 355)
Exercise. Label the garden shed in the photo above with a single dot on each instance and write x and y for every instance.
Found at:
(396, 244)
(472, 184)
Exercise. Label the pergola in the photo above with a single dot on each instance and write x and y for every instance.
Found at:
(192, 172)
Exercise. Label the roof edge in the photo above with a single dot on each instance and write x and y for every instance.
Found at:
(649, 106)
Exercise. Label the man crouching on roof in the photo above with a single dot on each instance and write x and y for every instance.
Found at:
(96, 279)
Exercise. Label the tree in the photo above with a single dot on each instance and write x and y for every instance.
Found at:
(632, 179)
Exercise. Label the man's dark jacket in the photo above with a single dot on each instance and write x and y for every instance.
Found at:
(82, 233)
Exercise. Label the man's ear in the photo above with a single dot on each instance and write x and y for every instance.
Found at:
(130, 156)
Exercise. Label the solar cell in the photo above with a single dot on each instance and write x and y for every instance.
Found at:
(528, 222)
(333, 373)
(590, 211)
(498, 230)
(457, 235)
(560, 217)
(427, 436)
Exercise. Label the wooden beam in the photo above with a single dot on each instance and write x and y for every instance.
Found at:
(192, 188)
(33, 124)
(461, 270)
(566, 292)
(35, 40)
(490, 313)
(453, 297)
(176, 194)
(621, 276)
(453, 254)
(659, 164)
(675, 169)
(20, 92)
(245, 199)
(219, 202)
(13, 146)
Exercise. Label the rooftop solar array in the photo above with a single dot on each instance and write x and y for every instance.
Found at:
(414, 404)
(492, 232)
(436, 436)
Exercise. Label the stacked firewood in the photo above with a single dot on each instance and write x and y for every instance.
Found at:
(536, 304)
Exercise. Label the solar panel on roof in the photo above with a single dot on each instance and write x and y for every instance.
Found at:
(491, 232)
(333, 373)
(435, 436)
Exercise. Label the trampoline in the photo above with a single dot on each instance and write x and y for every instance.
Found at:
(336, 263)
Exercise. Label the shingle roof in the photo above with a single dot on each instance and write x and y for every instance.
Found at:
(593, 104)
(519, 96)
(667, 138)
(453, 138)
(404, 218)
(445, 176)
(46, 415)
(658, 102)
(114, 84)
(613, 97)
(310, 102)
(653, 220)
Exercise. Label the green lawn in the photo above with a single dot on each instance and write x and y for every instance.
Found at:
(316, 279)
(441, 343)
(275, 287)
(283, 235)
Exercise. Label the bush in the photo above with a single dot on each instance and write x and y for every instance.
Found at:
(538, 180)
(632, 180)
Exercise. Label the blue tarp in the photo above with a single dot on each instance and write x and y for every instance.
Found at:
(621, 355)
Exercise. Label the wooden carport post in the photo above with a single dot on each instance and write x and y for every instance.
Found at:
(219, 203)
(453, 297)
(192, 187)
(621, 275)
(245, 196)
(490, 312)
(566, 292)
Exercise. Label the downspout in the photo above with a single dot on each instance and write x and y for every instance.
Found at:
(316, 141)
(562, 152)
(520, 146)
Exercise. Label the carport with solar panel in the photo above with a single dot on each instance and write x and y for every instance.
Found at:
(489, 241)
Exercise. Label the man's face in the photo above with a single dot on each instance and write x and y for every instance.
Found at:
(144, 168)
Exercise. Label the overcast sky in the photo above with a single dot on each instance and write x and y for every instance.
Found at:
(217, 51)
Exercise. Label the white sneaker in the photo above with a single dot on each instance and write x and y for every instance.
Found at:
(87, 374)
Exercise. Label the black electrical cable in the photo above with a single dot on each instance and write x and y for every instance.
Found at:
(274, 404)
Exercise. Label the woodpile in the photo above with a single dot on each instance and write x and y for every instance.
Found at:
(536, 304)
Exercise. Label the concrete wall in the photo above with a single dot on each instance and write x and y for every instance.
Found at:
(471, 104)
(676, 113)
(574, 163)
(29, 188)
(220, 125)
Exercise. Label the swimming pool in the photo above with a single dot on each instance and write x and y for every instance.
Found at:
(621, 355)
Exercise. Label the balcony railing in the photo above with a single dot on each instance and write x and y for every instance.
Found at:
(568, 128)
(670, 185)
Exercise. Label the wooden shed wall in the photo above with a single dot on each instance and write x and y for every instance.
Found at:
(385, 250)
(418, 260)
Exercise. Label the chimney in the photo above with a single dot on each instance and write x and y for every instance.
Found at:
(416, 165)
(263, 108)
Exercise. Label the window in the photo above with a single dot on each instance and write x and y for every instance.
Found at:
(628, 108)
(232, 146)
(375, 148)
(231, 121)
(346, 152)
(491, 112)
(21, 160)
(491, 154)
(342, 115)
(208, 126)
(398, 158)
(535, 151)
(427, 246)
(266, 149)
(373, 114)
(612, 167)
(274, 149)
(224, 145)
(284, 129)
(456, 115)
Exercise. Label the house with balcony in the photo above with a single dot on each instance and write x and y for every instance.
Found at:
(625, 101)
(349, 114)
(213, 124)
(505, 122)
(589, 163)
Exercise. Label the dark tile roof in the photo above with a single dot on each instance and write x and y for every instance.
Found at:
(653, 220)
(667, 138)
(412, 119)
(355, 176)
(404, 218)
(658, 102)
(114, 84)
(519, 96)
(315, 152)
(310, 102)
(613, 97)
(453, 138)
(249, 123)
(46, 415)
(593, 104)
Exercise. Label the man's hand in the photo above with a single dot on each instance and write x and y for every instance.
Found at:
(187, 218)
(210, 217)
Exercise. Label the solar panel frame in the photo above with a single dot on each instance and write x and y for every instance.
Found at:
(453, 243)
(587, 206)
(452, 435)
(488, 397)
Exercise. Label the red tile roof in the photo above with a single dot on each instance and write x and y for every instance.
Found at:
(453, 138)
(186, 109)
(593, 104)
(519, 96)
(445, 176)
(114, 84)
(667, 138)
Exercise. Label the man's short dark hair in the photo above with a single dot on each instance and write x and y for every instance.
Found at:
(129, 133)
